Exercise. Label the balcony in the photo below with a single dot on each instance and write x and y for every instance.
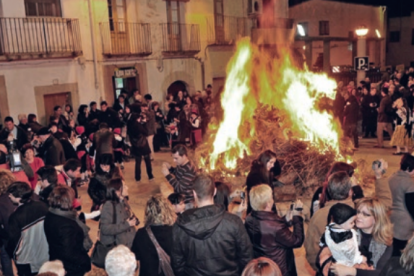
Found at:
(180, 39)
(225, 30)
(279, 31)
(125, 39)
(39, 37)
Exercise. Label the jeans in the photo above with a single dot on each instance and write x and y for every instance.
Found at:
(147, 160)
(6, 264)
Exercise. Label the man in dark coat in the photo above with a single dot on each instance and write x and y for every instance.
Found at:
(384, 121)
(208, 240)
(51, 150)
(11, 131)
(351, 116)
(94, 113)
(49, 179)
(140, 148)
(109, 116)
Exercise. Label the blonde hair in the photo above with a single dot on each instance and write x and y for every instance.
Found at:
(6, 179)
(55, 267)
(21, 116)
(262, 267)
(382, 230)
(159, 211)
(260, 196)
(407, 257)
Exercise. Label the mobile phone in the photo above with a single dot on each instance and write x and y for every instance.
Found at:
(242, 195)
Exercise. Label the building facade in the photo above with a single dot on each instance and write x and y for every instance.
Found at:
(330, 25)
(54, 52)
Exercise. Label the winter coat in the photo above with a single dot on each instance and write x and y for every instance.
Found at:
(110, 117)
(119, 232)
(351, 111)
(52, 152)
(272, 238)
(138, 136)
(394, 268)
(254, 178)
(82, 120)
(21, 138)
(369, 106)
(210, 241)
(65, 238)
(27, 242)
(385, 110)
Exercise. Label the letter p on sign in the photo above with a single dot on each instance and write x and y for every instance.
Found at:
(361, 63)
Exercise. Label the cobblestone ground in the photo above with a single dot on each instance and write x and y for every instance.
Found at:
(139, 193)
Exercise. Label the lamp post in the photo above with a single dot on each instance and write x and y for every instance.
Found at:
(361, 49)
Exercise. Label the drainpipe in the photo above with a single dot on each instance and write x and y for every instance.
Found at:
(203, 78)
(95, 59)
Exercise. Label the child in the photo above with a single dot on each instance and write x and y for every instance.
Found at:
(402, 134)
(341, 237)
(177, 201)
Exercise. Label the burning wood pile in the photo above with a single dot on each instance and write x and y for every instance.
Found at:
(267, 103)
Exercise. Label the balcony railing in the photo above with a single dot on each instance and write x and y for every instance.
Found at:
(126, 39)
(225, 30)
(180, 38)
(31, 37)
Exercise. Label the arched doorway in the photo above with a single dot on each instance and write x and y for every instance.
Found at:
(175, 87)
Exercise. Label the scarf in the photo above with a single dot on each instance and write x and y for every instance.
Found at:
(375, 248)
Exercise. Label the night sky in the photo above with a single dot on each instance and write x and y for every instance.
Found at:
(395, 7)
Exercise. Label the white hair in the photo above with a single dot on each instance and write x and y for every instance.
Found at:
(120, 261)
(53, 267)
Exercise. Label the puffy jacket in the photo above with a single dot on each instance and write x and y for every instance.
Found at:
(271, 238)
(210, 241)
(65, 238)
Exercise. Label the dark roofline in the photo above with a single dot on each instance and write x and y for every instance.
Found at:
(375, 3)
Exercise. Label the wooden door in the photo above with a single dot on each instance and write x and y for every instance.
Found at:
(52, 100)
(219, 21)
(118, 26)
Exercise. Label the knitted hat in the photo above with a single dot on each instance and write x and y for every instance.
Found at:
(117, 131)
(91, 136)
(340, 213)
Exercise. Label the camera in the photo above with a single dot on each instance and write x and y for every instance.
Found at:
(137, 222)
(292, 205)
(14, 157)
(242, 195)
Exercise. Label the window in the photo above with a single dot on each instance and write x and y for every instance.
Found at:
(323, 27)
(412, 37)
(43, 8)
(218, 11)
(303, 28)
(173, 11)
(116, 15)
(395, 36)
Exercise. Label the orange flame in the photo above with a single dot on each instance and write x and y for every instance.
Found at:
(254, 78)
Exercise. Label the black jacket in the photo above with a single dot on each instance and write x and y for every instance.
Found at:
(369, 106)
(21, 138)
(44, 194)
(351, 111)
(394, 268)
(110, 117)
(210, 241)
(65, 238)
(138, 136)
(52, 152)
(272, 238)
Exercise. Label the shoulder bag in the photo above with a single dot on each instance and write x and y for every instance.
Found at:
(164, 259)
(100, 250)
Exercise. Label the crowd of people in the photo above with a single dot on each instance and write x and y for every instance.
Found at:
(193, 231)
(372, 108)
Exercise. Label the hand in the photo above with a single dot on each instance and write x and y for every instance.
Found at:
(364, 260)
(132, 221)
(242, 207)
(3, 148)
(297, 205)
(342, 270)
(168, 165)
(164, 170)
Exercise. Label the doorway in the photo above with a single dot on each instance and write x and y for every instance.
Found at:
(124, 84)
(52, 100)
(175, 87)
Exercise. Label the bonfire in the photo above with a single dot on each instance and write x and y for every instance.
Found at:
(268, 103)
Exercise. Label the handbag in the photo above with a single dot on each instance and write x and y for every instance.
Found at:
(164, 259)
(100, 250)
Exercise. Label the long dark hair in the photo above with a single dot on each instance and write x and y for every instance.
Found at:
(222, 194)
(82, 108)
(260, 163)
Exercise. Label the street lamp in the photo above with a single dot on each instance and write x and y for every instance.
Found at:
(361, 49)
